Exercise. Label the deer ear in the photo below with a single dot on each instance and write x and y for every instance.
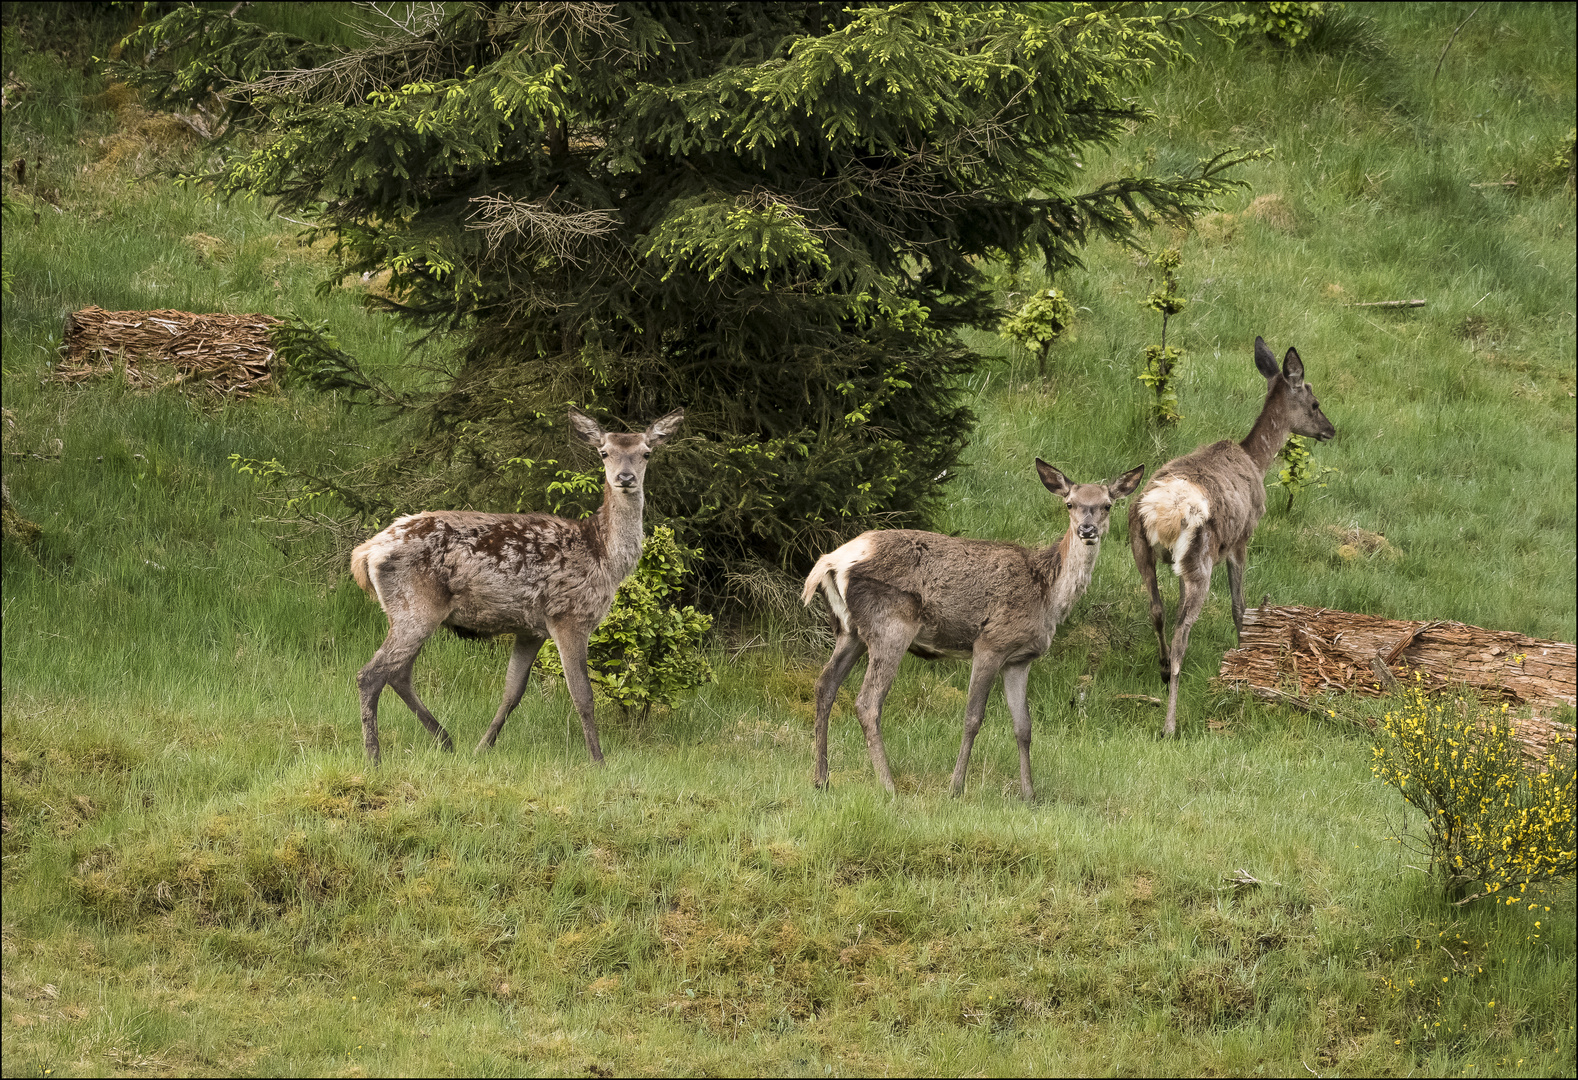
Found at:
(660, 430)
(1126, 483)
(1055, 481)
(1265, 363)
(583, 427)
(1293, 369)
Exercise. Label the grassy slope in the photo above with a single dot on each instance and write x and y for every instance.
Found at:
(200, 875)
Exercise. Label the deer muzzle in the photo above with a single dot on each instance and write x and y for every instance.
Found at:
(1087, 533)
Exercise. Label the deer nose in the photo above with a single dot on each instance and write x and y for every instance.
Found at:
(626, 479)
(1087, 531)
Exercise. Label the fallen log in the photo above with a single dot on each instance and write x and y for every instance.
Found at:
(229, 355)
(1293, 653)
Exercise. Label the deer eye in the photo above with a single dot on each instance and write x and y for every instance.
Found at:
(646, 455)
(604, 453)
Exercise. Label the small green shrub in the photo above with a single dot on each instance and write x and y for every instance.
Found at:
(1488, 818)
(1040, 322)
(648, 651)
(1299, 472)
(1161, 361)
(1286, 22)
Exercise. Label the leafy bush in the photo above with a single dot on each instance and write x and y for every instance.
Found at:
(1488, 818)
(648, 651)
(1286, 22)
(1039, 323)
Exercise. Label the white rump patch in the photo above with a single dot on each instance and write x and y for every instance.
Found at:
(831, 575)
(381, 546)
(1173, 511)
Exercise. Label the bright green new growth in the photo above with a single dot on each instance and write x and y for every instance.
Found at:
(1299, 472)
(1488, 818)
(1286, 22)
(1161, 361)
(1039, 323)
(648, 651)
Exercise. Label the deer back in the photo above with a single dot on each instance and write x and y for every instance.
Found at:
(494, 573)
(958, 589)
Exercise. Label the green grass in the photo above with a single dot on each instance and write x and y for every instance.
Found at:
(201, 875)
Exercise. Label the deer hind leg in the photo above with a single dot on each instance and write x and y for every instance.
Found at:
(1145, 562)
(1016, 686)
(983, 672)
(573, 644)
(521, 659)
(391, 666)
(1235, 586)
(1193, 588)
(886, 650)
(846, 651)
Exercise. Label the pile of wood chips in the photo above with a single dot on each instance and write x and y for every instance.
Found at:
(228, 355)
(1310, 650)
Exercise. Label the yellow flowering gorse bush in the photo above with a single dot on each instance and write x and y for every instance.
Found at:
(1488, 819)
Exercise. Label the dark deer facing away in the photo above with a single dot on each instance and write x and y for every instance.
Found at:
(935, 596)
(531, 575)
(1203, 507)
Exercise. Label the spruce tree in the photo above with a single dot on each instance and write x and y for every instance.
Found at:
(772, 214)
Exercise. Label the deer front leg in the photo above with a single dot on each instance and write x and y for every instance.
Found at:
(521, 659)
(572, 655)
(846, 651)
(1016, 685)
(983, 671)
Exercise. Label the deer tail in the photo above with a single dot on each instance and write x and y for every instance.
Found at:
(359, 569)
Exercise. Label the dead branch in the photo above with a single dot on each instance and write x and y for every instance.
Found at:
(1390, 304)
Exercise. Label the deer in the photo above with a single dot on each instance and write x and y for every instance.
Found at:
(532, 575)
(1202, 508)
(902, 590)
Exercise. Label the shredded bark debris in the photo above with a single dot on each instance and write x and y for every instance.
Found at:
(1310, 650)
(227, 355)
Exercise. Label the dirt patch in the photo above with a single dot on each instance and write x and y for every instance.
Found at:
(1273, 210)
(1357, 543)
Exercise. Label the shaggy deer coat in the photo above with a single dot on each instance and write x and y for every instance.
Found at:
(1202, 508)
(936, 596)
(531, 575)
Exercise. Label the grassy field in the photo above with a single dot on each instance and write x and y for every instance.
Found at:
(201, 875)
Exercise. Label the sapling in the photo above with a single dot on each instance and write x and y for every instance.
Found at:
(1040, 322)
(1162, 361)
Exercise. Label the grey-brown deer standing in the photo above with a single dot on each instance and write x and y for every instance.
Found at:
(945, 596)
(531, 575)
(1203, 507)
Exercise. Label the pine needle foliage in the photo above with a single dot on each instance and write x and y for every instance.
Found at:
(773, 214)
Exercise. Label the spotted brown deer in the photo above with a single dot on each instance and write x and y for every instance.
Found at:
(944, 596)
(1203, 507)
(531, 575)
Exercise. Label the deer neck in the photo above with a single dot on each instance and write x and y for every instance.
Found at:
(1068, 565)
(619, 526)
(1265, 440)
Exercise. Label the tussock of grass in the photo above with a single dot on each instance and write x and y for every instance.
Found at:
(201, 874)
